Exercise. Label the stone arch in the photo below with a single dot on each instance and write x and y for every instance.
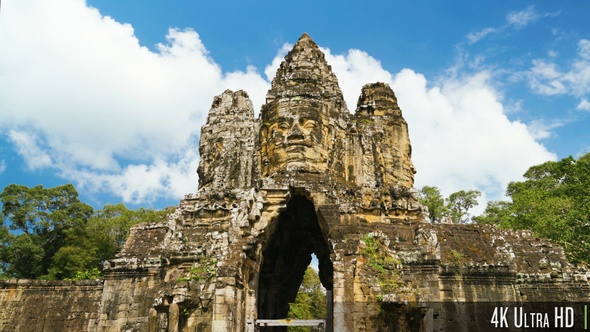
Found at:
(286, 255)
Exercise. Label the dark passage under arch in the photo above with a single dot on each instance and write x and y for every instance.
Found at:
(287, 255)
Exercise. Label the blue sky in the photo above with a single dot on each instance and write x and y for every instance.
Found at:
(111, 95)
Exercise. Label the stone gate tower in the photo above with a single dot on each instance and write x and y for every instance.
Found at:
(309, 177)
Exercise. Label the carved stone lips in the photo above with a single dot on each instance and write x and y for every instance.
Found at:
(298, 142)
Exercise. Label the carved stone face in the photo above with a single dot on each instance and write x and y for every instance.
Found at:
(210, 160)
(295, 137)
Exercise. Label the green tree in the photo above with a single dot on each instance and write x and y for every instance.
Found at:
(27, 257)
(310, 302)
(433, 199)
(496, 212)
(456, 206)
(40, 219)
(100, 240)
(113, 222)
(553, 202)
(5, 240)
(48, 233)
(459, 204)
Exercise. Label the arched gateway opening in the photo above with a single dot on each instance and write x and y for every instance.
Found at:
(287, 254)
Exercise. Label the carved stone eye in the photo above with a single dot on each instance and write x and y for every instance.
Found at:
(283, 125)
(309, 124)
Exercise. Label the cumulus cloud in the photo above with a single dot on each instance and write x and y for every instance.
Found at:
(106, 108)
(355, 69)
(140, 183)
(2, 166)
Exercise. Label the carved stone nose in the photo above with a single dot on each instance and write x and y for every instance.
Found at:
(295, 133)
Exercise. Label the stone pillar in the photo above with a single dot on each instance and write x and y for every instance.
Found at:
(343, 292)
(223, 310)
(173, 316)
(343, 295)
(153, 320)
(329, 311)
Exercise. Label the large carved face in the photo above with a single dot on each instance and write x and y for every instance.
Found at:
(294, 136)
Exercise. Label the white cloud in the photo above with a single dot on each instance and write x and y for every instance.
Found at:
(355, 69)
(513, 106)
(546, 78)
(107, 108)
(584, 49)
(522, 18)
(27, 145)
(514, 20)
(474, 37)
(140, 183)
(541, 129)
(584, 105)
(461, 136)
(2, 166)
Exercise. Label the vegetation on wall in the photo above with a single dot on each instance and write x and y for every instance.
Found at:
(378, 259)
(203, 270)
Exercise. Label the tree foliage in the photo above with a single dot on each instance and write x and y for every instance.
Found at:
(432, 198)
(459, 204)
(553, 202)
(48, 233)
(455, 207)
(310, 302)
(41, 220)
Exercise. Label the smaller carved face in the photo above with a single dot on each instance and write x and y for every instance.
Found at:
(210, 154)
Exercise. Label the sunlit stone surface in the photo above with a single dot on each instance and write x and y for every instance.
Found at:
(306, 177)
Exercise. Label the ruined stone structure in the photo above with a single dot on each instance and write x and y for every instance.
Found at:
(309, 177)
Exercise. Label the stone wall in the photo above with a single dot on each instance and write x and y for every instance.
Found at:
(37, 305)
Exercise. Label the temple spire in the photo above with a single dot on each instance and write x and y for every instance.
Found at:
(305, 72)
(301, 109)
